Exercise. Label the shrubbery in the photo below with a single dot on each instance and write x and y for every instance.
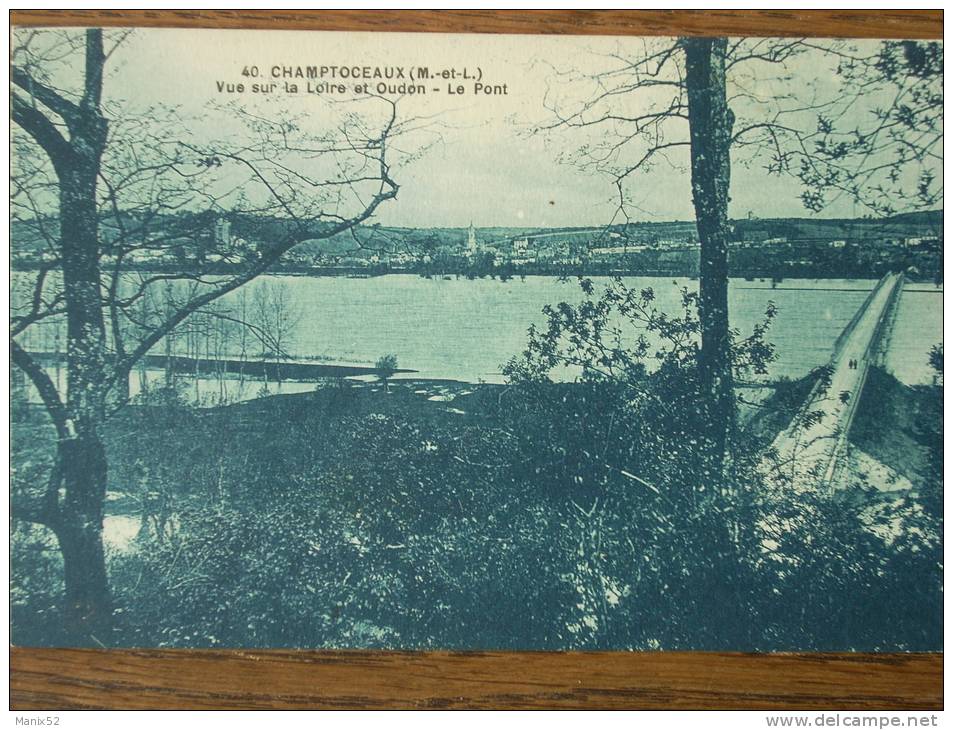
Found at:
(548, 516)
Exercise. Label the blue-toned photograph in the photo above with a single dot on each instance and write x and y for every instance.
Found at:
(473, 342)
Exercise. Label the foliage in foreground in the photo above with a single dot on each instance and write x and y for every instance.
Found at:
(549, 515)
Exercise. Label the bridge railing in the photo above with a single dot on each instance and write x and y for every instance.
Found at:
(885, 314)
(885, 324)
(849, 329)
(838, 344)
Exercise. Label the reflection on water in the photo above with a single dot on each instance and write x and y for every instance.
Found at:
(211, 391)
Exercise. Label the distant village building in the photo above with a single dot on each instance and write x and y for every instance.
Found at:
(145, 255)
(520, 246)
(222, 231)
(616, 250)
(472, 245)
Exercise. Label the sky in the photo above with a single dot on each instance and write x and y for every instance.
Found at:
(483, 162)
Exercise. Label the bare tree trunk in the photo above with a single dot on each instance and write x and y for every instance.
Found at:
(79, 528)
(79, 524)
(243, 337)
(710, 121)
(168, 360)
(122, 390)
(72, 132)
(57, 356)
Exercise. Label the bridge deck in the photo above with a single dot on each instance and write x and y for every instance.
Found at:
(809, 450)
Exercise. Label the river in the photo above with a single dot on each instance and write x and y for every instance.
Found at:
(463, 329)
(466, 329)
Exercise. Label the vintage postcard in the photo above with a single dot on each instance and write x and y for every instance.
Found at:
(431, 341)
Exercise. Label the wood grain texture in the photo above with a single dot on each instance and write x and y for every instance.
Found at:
(819, 23)
(75, 678)
(72, 678)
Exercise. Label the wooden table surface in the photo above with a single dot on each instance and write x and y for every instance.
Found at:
(51, 679)
(80, 678)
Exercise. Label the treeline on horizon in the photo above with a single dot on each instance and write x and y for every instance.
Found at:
(773, 249)
(25, 236)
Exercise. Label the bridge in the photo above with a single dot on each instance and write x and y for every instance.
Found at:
(809, 453)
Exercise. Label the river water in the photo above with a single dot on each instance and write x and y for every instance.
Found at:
(466, 329)
(455, 328)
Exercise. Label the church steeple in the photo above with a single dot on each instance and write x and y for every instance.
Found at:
(471, 239)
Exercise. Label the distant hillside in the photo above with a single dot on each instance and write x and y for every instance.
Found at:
(27, 237)
(907, 224)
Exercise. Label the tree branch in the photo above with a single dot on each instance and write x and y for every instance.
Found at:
(41, 129)
(44, 386)
(50, 98)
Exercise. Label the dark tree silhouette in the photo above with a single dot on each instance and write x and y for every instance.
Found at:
(99, 192)
(386, 366)
(724, 98)
(710, 124)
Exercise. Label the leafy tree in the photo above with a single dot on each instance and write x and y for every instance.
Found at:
(889, 160)
(631, 428)
(386, 366)
(756, 563)
(702, 101)
(936, 359)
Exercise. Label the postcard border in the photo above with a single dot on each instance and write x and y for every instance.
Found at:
(202, 679)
